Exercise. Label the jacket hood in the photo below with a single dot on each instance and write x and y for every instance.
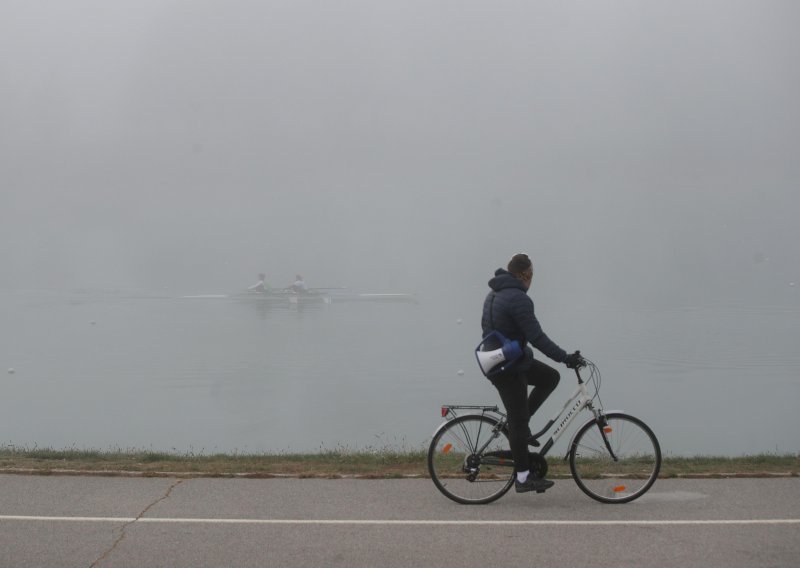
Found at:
(503, 279)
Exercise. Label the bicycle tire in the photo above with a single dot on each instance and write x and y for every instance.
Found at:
(629, 476)
(456, 470)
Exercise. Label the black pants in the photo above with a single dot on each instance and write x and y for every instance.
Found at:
(513, 389)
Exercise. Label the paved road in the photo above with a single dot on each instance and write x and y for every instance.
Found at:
(111, 522)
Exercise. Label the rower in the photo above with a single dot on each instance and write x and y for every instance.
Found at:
(261, 286)
(299, 286)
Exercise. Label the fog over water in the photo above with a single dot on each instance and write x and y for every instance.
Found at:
(645, 156)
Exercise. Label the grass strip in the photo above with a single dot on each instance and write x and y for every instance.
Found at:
(378, 464)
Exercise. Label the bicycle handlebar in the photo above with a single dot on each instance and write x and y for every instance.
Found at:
(582, 362)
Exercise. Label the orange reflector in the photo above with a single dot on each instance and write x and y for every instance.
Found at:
(447, 448)
(444, 411)
(607, 429)
(619, 489)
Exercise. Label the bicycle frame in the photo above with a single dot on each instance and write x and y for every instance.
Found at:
(579, 400)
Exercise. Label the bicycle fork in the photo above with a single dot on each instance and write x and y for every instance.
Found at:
(605, 429)
(602, 426)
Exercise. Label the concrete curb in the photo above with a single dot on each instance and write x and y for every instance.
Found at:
(263, 475)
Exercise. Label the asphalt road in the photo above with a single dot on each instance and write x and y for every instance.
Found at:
(111, 522)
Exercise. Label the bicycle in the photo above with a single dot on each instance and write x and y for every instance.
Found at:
(613, 457)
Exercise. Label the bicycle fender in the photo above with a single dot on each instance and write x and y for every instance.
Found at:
(439, 427)
(575, 433)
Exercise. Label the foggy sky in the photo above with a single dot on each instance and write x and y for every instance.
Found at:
(637, 151)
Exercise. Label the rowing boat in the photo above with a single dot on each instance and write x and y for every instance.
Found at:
(313, 296)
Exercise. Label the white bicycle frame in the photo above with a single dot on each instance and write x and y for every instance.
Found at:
(579, 400)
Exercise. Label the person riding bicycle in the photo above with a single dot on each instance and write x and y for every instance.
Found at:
(509, 310)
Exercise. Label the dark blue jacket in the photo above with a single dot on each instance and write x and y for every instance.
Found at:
(509, 310)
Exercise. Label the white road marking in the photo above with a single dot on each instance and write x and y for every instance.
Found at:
(412, 522)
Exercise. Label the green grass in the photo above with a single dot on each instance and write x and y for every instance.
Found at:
(338, 462)
(324, 463)
(745, 465)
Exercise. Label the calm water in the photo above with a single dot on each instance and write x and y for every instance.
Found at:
(108, 370)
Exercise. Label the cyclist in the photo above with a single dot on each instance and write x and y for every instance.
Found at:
(509, 310)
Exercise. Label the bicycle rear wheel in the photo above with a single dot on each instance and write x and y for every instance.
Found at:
(459, 471)
(626, 475)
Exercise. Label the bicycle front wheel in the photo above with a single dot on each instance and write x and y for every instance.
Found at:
(615, 462)
(462, 468)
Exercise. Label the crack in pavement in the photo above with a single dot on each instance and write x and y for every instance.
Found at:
(124, 527)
